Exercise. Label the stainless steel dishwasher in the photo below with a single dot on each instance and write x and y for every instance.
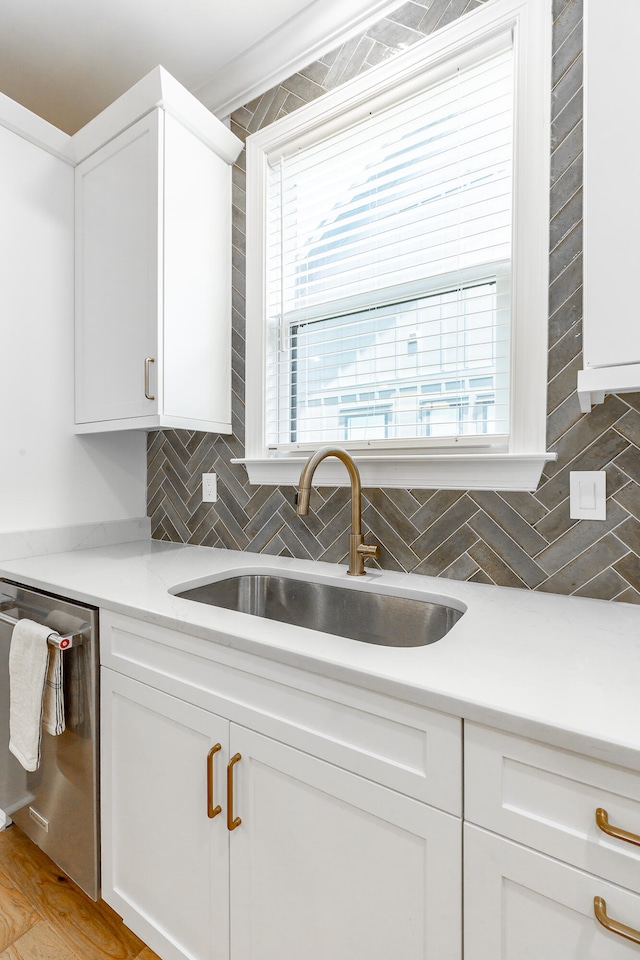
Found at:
(58, 804)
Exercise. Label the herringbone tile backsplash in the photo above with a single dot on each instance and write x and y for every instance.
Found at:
(512, 539)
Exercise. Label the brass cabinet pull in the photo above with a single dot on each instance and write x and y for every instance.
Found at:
(602, 819)
(600, 910)
(211, 810)
(147, 361)
(232, 822)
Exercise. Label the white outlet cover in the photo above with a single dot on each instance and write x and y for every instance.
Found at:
(209, 487)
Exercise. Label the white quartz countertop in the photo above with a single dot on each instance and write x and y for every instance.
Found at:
(565, 670)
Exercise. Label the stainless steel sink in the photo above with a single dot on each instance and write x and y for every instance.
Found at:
(358, 614)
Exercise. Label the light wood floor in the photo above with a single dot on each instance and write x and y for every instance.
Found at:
(45, 916)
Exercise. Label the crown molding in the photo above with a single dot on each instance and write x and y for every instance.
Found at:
(320, 27)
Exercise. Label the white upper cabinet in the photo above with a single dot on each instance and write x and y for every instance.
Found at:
(611, 201)
(153, 267)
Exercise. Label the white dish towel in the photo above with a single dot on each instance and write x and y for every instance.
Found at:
(29, 666)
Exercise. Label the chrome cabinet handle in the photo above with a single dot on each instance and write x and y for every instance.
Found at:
(232, 822)
(211, 810)
(147, 361)
(600, 910)
(602, 819)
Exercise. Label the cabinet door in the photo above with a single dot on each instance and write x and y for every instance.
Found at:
(118, 206)
(611, 197)
(165, 861)
(328, 864)
(523, 905)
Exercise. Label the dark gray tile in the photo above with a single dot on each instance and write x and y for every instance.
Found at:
(616, 479)
(633, 400)
(338, 550)
(339, 522)
(507, 549)
(568, 116)
(316, 71)
(565, 285)
(510, 521)
(565, 219)
(559, 390)
(304, 528)
(447, 552)
(629, 568)
(261, 537)
(335, 502)
(580, 537)
(309, 550)
(566, 252)
(434, 16)
(605, 586)
(358, 60)
(629, 533)
(629, 463)
(629, 427)
(596, 457)
(556, 523)
(392, 514)
(434, 507)
(303, 88)
(585, 567)
(567, 185)
(446, 524)
(410, 14)
(566, 54)
(494, 567)
(566, 151)
(589, 429)
(269, 508)
(274, 548)
(525, 504)
(231, 525)
(480, 577)
(629, 498)
(629, 596)
(567, 414)
(567, 15)
(462, 568)
(385, 535)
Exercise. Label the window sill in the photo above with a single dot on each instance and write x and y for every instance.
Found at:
(497, 471)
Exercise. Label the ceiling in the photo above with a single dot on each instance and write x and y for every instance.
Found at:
(68, 59)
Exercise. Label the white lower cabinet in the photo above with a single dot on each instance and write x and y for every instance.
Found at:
(165, 863)
(524, 905)
(303, 858)
(550, 838)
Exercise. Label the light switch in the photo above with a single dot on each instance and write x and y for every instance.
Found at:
(588, 495)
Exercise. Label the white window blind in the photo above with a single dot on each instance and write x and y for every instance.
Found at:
(388, 252)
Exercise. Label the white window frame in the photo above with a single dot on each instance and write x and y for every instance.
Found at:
(460, 466)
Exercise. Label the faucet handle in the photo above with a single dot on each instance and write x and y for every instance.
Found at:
(368, 549)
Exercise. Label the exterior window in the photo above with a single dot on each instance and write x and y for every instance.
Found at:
(385, 308)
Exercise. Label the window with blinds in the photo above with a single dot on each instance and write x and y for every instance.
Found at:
(388, 270)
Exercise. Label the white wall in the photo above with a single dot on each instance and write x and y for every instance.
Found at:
(48, 476)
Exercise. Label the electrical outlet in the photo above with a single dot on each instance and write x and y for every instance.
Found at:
(209, 487)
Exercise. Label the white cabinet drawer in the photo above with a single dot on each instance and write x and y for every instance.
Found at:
(547, 798)
(523, 905)
(409, 748)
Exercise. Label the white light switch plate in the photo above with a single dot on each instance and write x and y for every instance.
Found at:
(588, 495)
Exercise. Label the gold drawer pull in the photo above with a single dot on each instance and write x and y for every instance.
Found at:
(232, 822)
(600, 910)
(211, 810)
(602, 819)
